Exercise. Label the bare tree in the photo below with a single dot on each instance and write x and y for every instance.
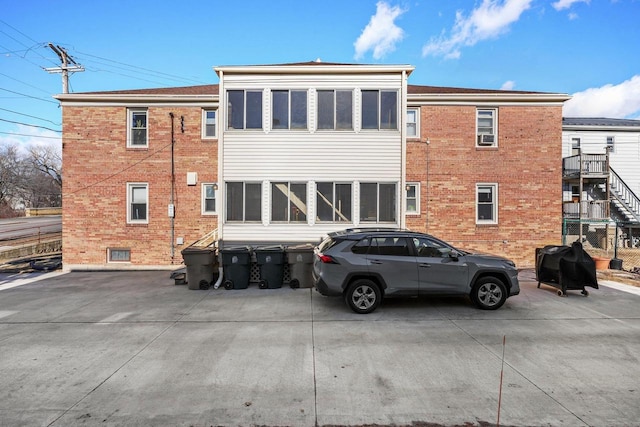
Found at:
(47, 160)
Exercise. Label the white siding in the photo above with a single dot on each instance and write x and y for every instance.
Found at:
(310, 155)
(625, 158)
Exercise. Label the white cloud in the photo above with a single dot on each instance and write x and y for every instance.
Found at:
(491, 19)
(611, 101)
(381, 33)
(566, 4)
(25, 137)
(508, 85)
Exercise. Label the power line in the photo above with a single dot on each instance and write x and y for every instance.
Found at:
(24, 35)
(27, 124)
(33, 117)
(32, 136)
(157, 73)
(26, 84)
(29, 96)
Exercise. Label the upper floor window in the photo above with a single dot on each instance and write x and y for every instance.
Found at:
(244, 201)
(209, 198)
(333, 202)
(377, 202)
(209, 123)
(379, 109)
(288, 202)
(487, 132)
(413, 126)
(486, 203)
(244, 109)
(335, 109)
(138, 203)
(610, 144)
(289, 109)
(137, 131)
(575, 146)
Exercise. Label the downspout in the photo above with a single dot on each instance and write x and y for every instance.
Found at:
(172, 213)
(403, 153)
(222, 120)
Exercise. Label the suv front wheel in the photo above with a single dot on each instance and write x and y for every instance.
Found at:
(489, 293)
(363, 296)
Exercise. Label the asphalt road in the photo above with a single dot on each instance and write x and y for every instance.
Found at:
(17, 228)
(133, 349)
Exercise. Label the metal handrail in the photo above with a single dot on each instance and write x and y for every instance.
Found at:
(624, 194)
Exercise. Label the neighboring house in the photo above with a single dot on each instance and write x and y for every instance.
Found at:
(286, 153)
(601, 159)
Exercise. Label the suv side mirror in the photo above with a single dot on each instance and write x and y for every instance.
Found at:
(454, 255)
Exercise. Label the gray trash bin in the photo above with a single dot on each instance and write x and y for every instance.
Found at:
(271, 262)
(200, 263)
(300, 259)
(236, 266)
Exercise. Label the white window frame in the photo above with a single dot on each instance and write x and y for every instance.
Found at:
(575, 145)
(337, 217)
(379, 126)
(245, 109)
(130, 113)
(416, 186)
(377, 220)
(204, 123)
(494, 127)
(416, 123)
(130, 187)
(289, 196)
(203, 199)
(611, 144)
(110, 252)
(244, 203)
(335, 108)
(290, 110)
(494, 191)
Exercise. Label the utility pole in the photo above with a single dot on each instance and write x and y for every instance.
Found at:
(64, 68)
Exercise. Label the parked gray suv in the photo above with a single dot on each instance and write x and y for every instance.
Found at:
(366, 265)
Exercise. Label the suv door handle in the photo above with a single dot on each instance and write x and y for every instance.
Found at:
(425, 265)
(375, 261)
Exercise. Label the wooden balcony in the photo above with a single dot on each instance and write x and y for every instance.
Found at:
(585, 165)
(591, 209)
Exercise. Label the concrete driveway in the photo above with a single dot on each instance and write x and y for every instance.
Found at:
(131, 348)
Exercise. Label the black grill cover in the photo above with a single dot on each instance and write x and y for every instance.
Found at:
(571, 263)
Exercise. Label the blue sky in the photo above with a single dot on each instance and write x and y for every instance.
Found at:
(585, 48)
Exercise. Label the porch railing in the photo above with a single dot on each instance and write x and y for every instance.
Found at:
(591, 209)
(587, 164)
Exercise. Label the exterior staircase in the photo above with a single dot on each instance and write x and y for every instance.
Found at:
(623, 199)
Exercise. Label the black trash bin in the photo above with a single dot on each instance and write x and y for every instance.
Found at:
(615, 264)
(236, 267)
(200, 263)
(300, 259)
(566, 268)
(271, 262)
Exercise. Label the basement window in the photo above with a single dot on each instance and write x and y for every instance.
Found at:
(118, 255)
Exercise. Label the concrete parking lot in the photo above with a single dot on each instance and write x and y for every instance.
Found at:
(131, 348)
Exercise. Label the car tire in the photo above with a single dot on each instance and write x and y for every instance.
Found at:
(489, 293)
(363, 296)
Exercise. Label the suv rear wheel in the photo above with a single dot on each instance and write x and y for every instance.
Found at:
(489, 293)
(363, 296)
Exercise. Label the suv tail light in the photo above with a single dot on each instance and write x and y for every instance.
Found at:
(327, 259)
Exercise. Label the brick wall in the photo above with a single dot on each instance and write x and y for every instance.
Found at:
(526, 165)
(97, 166)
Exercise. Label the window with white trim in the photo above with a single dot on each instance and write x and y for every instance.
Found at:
(335, 109)
(137, 130)
(244, 201)
(377, 202)
(289, 109)
(379, 109)
(413, 198)
(486, 127)
(611, 144)
(333, 202)
(244, 109)
(209, 123)
(413, 123)
(137, 203)
(209, 198)
(288, 202)
(575, 146)
(486, 203)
